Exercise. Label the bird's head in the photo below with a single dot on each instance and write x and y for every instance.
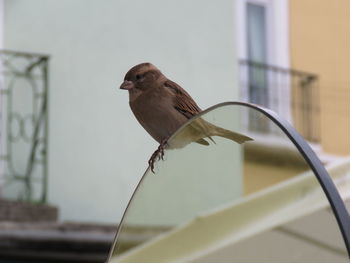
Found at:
(142, 77)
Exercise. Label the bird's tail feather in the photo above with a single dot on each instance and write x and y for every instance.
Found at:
(234, 136)
(203, 142)
(207, 130)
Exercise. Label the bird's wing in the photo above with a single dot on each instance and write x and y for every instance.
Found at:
(182, 100)
(189, 108)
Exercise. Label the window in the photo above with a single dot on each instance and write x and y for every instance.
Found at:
(262, 27)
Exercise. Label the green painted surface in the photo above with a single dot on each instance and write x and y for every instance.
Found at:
(97, 150)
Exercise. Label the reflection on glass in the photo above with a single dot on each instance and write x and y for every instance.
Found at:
(223, 201)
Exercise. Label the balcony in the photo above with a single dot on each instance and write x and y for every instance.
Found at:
(23, 126)
(293, 94)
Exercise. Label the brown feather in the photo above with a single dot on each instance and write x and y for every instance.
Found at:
(203, 142)
(183, 102)
(162, 106)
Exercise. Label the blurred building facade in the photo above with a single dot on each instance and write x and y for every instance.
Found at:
(292, 59)
(319, 42)
(97, 151)
(269, 52)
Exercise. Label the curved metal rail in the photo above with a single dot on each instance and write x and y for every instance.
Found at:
(329, 188)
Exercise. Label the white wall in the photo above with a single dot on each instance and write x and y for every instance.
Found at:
(2, 141)
(1, 23)
(97, 150)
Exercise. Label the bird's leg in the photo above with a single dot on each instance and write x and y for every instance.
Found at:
(158, 153)
(161, 147)
(152, 160)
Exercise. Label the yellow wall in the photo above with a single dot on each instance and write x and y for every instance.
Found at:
(260, 175)
(265, 165)
(320, 43)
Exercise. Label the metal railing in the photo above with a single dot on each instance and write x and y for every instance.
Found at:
(293, 94)
(23, 125)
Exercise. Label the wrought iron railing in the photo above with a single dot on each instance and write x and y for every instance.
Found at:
(293, 94)
(23, 125)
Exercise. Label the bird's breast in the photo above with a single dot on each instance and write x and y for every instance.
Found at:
(157, 115)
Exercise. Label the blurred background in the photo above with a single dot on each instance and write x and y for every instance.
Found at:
(71, 150)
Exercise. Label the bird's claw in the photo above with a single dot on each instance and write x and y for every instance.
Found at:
(152, 160)
(157, 153)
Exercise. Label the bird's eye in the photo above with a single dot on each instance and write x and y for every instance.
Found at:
(138, 77)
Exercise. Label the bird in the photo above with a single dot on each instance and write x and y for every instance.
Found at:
(162, 106)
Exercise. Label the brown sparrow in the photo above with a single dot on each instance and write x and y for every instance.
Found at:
(161, 106)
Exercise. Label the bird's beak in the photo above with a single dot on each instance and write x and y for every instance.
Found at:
(127, 85)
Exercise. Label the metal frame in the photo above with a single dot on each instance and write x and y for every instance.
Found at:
(31, 69)
(338, 207)
(329, 188)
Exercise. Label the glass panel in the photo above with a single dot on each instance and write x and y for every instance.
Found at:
(256, 33)
(223, 201)
(257, 52)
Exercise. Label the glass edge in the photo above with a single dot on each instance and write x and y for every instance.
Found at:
(332, 194)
